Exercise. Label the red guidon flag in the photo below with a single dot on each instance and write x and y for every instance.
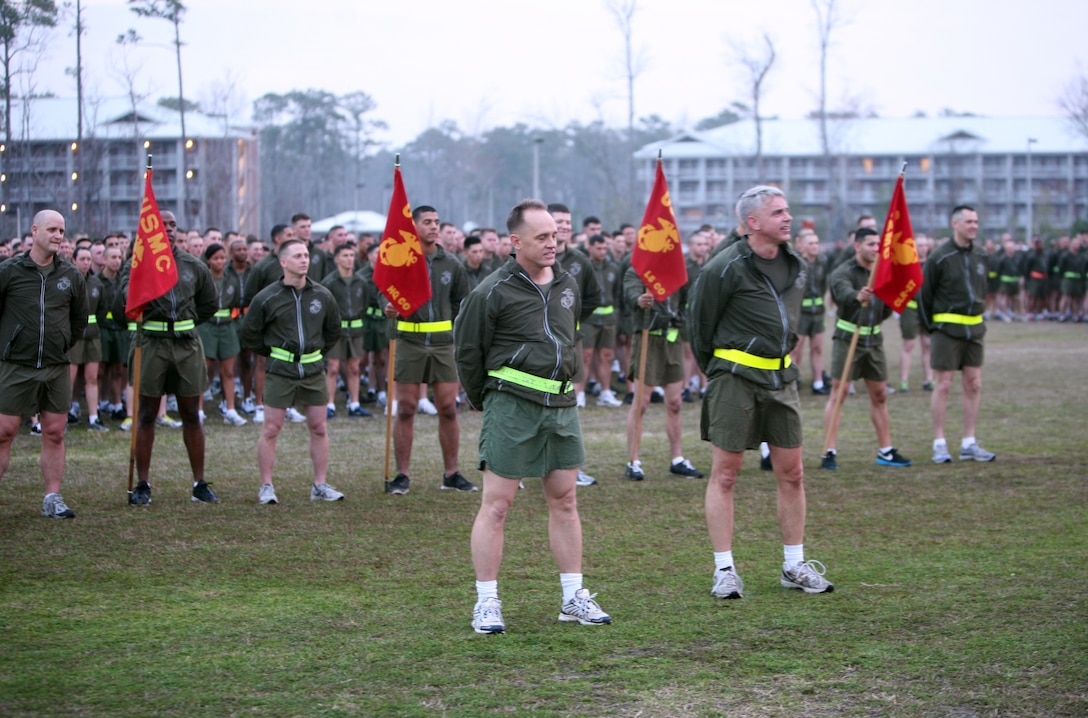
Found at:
(154, 270)
(401, 272)
(658, 257)
(898, 271)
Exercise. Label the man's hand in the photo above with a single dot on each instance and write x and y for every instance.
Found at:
(864, 295)
(645, 300)
(390, 312)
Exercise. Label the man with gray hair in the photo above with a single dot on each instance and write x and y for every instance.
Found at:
(744, 313)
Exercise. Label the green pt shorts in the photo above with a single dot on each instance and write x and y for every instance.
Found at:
(419, 364)
(85, 351)
(282, 392)
(950, 354)
(346, 348)
(664, 360)
(869, 362)
(599, 336)
(220, 340)
(27, 390)
(522, 439)
(738, 415)
(170, 365)
(116, 345)
(809, 325)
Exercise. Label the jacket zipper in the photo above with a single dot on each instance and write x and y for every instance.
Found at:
(301, 338)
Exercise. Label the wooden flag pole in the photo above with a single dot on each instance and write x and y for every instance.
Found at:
(390, 392)
(636, 443)
(135, 408)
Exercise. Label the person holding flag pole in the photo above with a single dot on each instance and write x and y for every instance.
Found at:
(169, 292)
(883, 277)
(656, 282)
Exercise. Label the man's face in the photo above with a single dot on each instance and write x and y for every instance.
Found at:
(562, 228)
(965, 225)
(113, 259)
(256, 252)
(83, 262)
(490, 242)
(474, 255)
(867, 249)
(808, 245)
(337, 237)
(448, 236)
(303, 229)
(5, 250)
(591, 229)
(48, 237)
(598, 252)
(630, 234)
(213, 237)
(238, 252)
(346, 259)
(98, 252)
(771, 220)
(869, 222)
(295, 260)
(536, 240)
(699, 247)
(170, 226)
(505, 247)
(427, 228)
(196, 246)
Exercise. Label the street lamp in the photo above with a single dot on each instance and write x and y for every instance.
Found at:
(1031, 200)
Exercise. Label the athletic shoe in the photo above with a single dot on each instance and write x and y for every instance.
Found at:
(629, 398)
(584, 479)
(976, 452)
(330, 413)
(95, 424)
(73, 416)
(892, 458)
(168, 421)
(202, 493)
(593, 388)
(126, 425)
(398, 486)
(201, 416)
(634, 471)
(487, 616)
(686, 397)
(222, 406)
(172, 403)
(683, 467)
(727, 584)
(248, 405)
(267, 495)
(258, 415)
(824, 390)
(607, 398)
(53, 507)
(889, 390)
(371, 397)
(141, 495)
(941, 455)
(118, 414)
(583, 609)
(324, 492)
(765, 463)
(852, 390)
(427, 407)
(356, 411)
(232, 418)
(807, 576)
(294, 416)
(904, 387)
(580, 400)
(209, 395)
(456, 482)
(927, 386)
(657, 396)
(830, 461)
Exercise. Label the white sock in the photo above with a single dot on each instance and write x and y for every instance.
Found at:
(723, 559)
(486, 590)
(331, 406)
(818, 384)
(939, 443)
(677, 460)
(92, 417)
(571, 583)
(793, 555)
(886, 449)
(764, 450)
(967, 442)
(353, 405)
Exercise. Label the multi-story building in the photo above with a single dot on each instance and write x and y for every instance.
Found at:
(981, 161)
(208, 177)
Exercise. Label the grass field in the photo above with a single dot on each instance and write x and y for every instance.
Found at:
(959, 589)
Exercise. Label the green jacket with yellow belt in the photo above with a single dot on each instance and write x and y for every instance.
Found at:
(664, 318)
(953, 294)
(516, 336)
(352, 295)
(292, 327)
(193, 300)
(432, 323)
(740, 324)
(846, 281)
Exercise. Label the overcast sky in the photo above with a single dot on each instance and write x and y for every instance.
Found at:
(484, 63)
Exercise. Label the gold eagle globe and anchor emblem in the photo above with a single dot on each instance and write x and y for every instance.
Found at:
(400, 253)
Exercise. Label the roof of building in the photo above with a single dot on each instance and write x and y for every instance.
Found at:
(878, 136)
(55, 118)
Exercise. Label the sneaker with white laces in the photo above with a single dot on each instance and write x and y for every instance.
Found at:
(975, 452)
(583, 609)
(683, 467)
(233, 419)
(633, 471)
(95, 424)
(324, 492)
(584, 479)
(203, 494)
(248, 405)
(267, 495)
(36, 429)
(53, 507)
(487, 616)
(172, 403)
(126, 424)
(727, 584)
(807, 576)
(258, 414)
(168, 421)
(294, 416)
(892, 458)
(426, 406)
(608, 398)
(398, 486)
(941, 455)
(456, 482)
(141, 494)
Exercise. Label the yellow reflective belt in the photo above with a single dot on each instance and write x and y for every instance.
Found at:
(1071, 275)
(109, 316)
(912, 304)
(756, 362)
(515, 376)
(851, 327)
(993, 274)
(222, 314)
(1009, 279)
(670, 334)
(948, 318)
(284, 355)
(92, 319)
(183, 326)
(425, 327)
(132, 326)
(604, 311)
(375, 312)
(351, 323)
(812, 302)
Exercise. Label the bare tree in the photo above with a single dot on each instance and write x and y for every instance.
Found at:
(357, 105)
(1074, 102)
(756, 65)
(624, 11)
(829, 18)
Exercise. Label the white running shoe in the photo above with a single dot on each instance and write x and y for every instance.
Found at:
(248, 405)
(172, 403)
(583, 609)
(487, 616)
(324, 492)
(53, 507)
(294, 416)
(168, 421)
(425, 406)
(232, 418)
(267, 494)
(807, 576)
(258, 415)
(608, 398)
(584, 479)
(727, 584)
